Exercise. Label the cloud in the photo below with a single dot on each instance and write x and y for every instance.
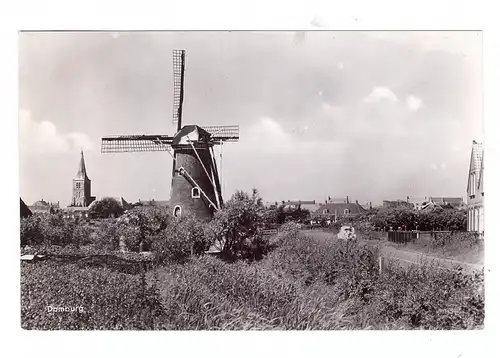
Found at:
(43, 137)
(413, 102)
(270, 136)
(340, 65)
(433, 166)
(380, 93)
(331, 110)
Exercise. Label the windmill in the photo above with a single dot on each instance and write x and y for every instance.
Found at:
(196, 184)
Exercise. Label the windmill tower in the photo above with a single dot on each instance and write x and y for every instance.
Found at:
(195, 185)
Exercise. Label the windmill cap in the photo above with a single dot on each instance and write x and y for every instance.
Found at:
(191, 133)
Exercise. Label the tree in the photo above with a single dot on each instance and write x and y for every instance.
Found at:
(238, 227)
(106, 208)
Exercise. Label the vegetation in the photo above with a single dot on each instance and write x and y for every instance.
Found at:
(106, 208)
(286, 281)
(238, 227)
(410, 219)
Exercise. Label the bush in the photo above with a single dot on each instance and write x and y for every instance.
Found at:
(181, 238)
(31, 230)
(107, 235)
(238, 227)
(105, 208)
(82, 233)
(48, 229)
(409, 219)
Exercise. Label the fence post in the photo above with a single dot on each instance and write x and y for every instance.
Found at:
(380, 264)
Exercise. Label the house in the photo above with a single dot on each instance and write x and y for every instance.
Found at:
(43, 207)
(430, 205)
(417, 202)
(152, 202)
(475, 190)
(456, 203)
(337, 210)
(82, 211)
(309, 205)
(367, 206)
(391, 204)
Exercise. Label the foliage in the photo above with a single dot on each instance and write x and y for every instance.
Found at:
(303, 284)
(280, 214)
(100, 298)
(238, 227)
(410, 219)
(466, 246)
(106, 235)
(181, 238)
(51, 229)
(31, 230)
(105, 208)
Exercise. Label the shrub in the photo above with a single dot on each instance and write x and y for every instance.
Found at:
(31, 230)
(238, 227)
(182, 237)
(82, 233)
(107, 235)
(106, 208)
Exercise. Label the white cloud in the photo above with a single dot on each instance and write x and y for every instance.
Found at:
(443, 166)
(42, 137)
(332, 110)
(340, 65)
(433, 166)
(380, 93)
(413, 102)
(268, 135)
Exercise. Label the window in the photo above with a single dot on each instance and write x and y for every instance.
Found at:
(326, 211)
(195, 193)
(347, 211)
(473, 185)
(177, 211)
(78, 185)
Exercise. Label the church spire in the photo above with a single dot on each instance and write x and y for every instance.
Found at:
(82, 172)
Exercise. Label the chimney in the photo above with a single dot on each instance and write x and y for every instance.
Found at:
(407, 199)
(370, 205)
(348, 199)
(357, 201)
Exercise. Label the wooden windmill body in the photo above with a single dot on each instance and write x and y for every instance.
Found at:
(195, 186)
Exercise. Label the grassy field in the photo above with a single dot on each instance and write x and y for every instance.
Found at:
(304, 283)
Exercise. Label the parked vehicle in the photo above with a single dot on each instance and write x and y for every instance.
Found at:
(346, 233)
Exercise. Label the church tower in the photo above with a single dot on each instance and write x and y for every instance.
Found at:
(81, 186)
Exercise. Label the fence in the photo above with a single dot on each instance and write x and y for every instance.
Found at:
(402, 237)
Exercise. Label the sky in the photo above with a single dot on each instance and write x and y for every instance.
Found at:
(369, 115)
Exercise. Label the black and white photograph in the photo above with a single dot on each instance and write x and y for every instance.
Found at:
(251, 180)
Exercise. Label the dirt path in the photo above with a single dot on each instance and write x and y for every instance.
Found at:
(404, 257)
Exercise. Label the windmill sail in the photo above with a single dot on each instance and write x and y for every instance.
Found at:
(179, 63)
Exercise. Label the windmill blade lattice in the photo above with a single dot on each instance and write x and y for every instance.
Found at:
(136, 143)
(223, 133)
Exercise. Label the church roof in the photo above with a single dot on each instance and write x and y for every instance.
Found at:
(476, 163)
(477, 155)
(82, 171)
